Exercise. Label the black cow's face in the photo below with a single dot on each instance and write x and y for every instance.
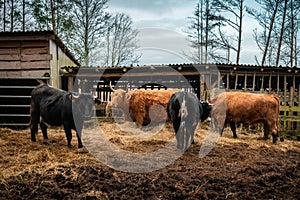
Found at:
(83, 103)
(206, 107)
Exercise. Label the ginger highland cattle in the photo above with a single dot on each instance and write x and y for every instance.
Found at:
(142, 106)
(246, 108)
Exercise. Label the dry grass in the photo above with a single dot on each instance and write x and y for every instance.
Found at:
(236, 168)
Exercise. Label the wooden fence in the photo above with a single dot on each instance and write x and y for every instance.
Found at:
(289, 106)
(290, 112)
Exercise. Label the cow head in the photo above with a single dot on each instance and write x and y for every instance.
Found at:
(119, 98)
(205, 109)
(83, 104)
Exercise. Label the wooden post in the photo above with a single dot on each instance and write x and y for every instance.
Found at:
(298, 95)
(98, 91)
(227, 84)
(236, 80)
(278, 85)
(262, 83)
(294, 81)
(284, 90)
(253, 83)
(270, 83)
(201, 86)
(70, 83)
(245, 82)
(210, 80)
(219, 80)
(291, 104)
(284, 101)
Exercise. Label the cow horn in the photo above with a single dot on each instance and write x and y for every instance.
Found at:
(110, 86)
(75, 96)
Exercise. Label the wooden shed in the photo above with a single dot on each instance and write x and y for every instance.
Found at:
(206, 80)
(26, 57)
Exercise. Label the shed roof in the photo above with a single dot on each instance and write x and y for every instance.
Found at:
(185, 68)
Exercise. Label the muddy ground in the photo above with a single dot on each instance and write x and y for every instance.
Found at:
(243, 168)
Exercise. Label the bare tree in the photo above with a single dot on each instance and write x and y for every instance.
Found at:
(290, 47)
(89, 19)
(120, 41)
(52, 16)
(281, 33)
(234, 9)
(266, 22)
(280, 23)
(11, 17)
(195, 33)
(202, 32)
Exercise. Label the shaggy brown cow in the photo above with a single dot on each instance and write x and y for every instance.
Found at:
(246, 108)
(141, 105)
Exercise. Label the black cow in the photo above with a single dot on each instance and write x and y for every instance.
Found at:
(56, 107)
(185, 111)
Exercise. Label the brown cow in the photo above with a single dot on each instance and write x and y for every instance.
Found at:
(141, 105)
(246, 108)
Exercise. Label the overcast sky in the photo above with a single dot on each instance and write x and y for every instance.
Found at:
(161, 25)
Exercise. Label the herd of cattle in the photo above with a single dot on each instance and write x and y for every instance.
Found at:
(55, 107)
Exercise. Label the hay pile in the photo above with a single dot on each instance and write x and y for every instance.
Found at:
(243, 168)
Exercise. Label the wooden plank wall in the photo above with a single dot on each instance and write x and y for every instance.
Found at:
(22, 62)
(24, 58)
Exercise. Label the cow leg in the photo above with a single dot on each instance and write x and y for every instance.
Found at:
(34, 121)
(68, 132)
(275, 137)
(78, 134)
(266, 131)
(188, 136)
(216, 127)
(180, 138)
(233, 129)
(79, 140)
(44, 130)
(192, 134)
(274, 130)
(177, 133)
(271, 127)
(192, 137)
(33, 131)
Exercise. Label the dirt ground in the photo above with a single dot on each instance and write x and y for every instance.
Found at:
(243, 168)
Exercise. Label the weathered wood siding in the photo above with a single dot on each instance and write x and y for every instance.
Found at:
(26, 57)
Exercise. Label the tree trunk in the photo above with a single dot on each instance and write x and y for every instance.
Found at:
(52, 16)
(206, 31)
(86, 35)
(292, 36)
(23, 13)
(269, 34)
(201, 32)
(12, 16)
(281, 34)
(240, 33)
(4, 15)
